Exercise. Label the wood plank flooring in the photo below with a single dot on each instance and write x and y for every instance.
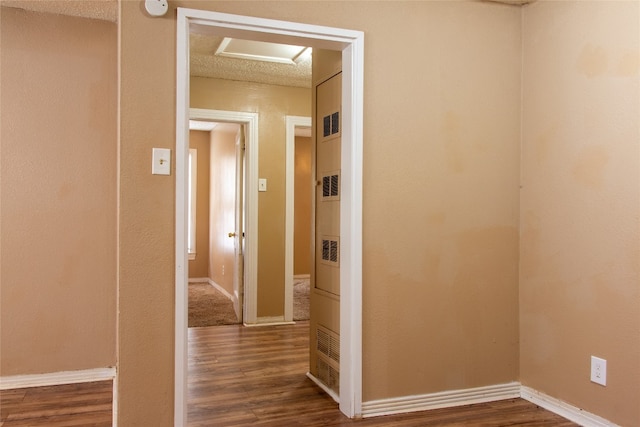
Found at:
(256, 377)
(242, 376)
(87, 404)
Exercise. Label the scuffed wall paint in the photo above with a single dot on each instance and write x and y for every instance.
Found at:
(580, 250)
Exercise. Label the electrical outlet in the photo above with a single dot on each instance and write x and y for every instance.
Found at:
(598, 370)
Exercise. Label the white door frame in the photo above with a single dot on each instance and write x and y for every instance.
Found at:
(291, 123)
(351, 43)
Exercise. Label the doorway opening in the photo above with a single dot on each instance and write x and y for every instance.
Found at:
(216, 272)
(351, 44)
(245, 287)
(295, 126)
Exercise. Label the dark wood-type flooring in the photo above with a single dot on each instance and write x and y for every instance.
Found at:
(242, 376)
(87, 404)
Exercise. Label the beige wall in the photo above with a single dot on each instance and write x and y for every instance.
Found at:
(441, 160)
(580, 254)
(58, 184)
(222, 207)
(146, 220)
(441, 156)
(302, 207)
(272, 103)
(199, 267)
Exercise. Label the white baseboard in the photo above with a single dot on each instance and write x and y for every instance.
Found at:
(301, 276)
(445, 399)
(57, 378)
(564, 409)
(212, 283)
(221, 289)
(326, 389)
(270, 321)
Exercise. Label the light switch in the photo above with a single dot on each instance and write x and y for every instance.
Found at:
(262, 184)
(161, 161)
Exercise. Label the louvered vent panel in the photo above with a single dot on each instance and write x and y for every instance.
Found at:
(331, 125)
(328, 344)
(330, 250)
(326, 186)
(328, 360)
(326, 128)
(328, 375)
(331, 186)
(322, 343)
(335, 179)
(335, 123)
(333, 251)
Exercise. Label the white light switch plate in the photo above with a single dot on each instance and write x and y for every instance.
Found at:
(161, 161)
(598, 370)
(262, 184)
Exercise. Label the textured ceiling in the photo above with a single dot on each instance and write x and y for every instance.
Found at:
(204, 63)
(106, 10)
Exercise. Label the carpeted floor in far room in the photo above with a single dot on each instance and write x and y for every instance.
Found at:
(210, 307)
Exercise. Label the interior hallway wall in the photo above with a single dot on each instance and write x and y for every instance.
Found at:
(58, 184)
(580, 223)
(441, 156)
(199, 267)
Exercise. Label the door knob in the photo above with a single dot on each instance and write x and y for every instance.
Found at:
(232, 234)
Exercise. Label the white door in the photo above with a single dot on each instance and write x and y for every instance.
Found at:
(238, 232)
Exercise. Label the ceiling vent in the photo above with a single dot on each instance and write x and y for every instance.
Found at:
(262, 51)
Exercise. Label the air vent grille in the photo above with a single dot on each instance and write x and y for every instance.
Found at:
(328, 360)
(331, 125)
(328, 375)
(331, 250)
(335, 123)
(328, 343)
(331, 186)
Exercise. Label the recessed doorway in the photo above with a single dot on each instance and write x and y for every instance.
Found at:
(351, 44)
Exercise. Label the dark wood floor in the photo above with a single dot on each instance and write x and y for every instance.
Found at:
(252, 377)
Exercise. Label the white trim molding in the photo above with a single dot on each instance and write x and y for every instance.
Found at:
(221, 289)
(326, 389)
(270, 321)
(57, 378)
(566, 410)
(212, 283)
(351, 44)
(444, 399)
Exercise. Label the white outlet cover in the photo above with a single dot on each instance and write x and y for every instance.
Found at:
(598, 370)
(262, 184)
